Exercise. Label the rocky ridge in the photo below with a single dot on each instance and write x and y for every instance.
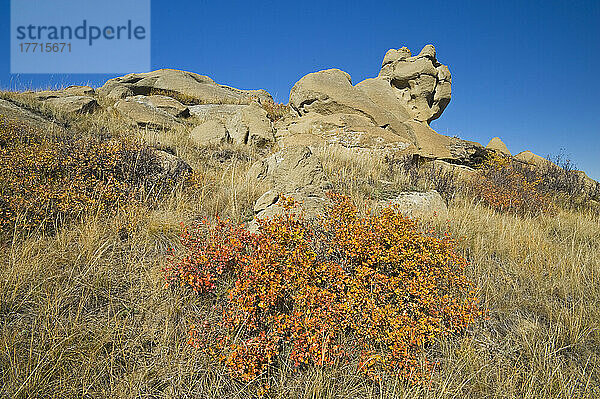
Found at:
(387, 114)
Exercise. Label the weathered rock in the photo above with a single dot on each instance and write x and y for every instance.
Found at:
(294, 173)
(164, 103)
(250, 125)
(461, 172)
(418, 204)
(14, 112)
(79, 91)
(532, 159)
(209, 132)
(74, 104)
(423, 84)
(291, 168)
(187, 87)
(67, 91)
(331, 92)
(144, 114)
(347, 130)
(496, 144)
(266, 200)
(219, 112)
(390, 112)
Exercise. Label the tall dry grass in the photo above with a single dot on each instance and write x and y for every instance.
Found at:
(85, 313)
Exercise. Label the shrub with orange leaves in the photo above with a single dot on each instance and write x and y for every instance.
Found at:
(505, 187)
(47, 180)
(372, 288)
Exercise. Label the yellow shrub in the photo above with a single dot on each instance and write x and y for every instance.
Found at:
(47, 180)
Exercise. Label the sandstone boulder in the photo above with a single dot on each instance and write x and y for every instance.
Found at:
(209, 132)
(532, 159)
(423, 84)
(67, 91)
(461, 172)
(219, 112)
(294, 173)
(144, 114)
(14, 112)
(391, 111)
(164, 103)
(331, 92)
(187, 87)
(347, 130)
(74, 104)
(170, 168)
(290, 169)
(419, 204)
(496, 144)
(250, 125)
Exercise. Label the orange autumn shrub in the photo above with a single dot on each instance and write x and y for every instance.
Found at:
(505, 187)
(371, 288)
(45, 181)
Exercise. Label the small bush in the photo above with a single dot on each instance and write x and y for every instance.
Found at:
(47, 180)
(506, 187)
(345, 287)
(275, 111)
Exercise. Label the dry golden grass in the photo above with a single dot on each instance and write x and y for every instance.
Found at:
(85, 313)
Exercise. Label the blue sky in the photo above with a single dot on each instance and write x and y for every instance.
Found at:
(524, 71)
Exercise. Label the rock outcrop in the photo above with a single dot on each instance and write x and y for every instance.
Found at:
(170, 168)
(422, 83)
(209, 133)
(498, 145)
(294, 173)
(188, 87)
(250, 125)
(389, 112)
(142, 111)
(532, 159)
(74, 104)
(419, 204)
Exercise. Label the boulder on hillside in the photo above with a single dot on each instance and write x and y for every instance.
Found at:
(209, 132)
(170, 168)
(74, 104)
(14, 112)
(164, 103)
(250, 125)
(294, 173)
(290, 169)
(219, 112)
(347, 130)
(461, 172)
(532, 159)
(391, 111)
(419, 204)
(496, 144)
(143, 113)
(187, 87)
(331, 92)
(67, 91)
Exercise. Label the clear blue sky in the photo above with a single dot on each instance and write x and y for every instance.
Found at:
(526, 71)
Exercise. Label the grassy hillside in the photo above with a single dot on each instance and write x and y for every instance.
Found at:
(84, 311)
